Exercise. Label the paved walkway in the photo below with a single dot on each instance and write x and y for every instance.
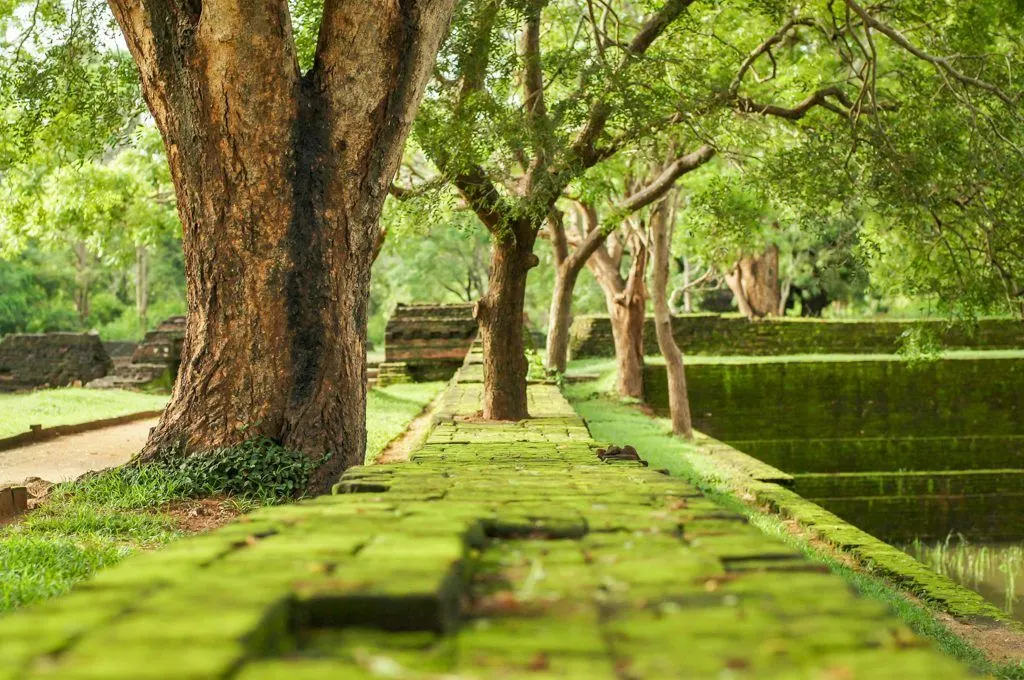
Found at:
(69, 457)
(498, 551)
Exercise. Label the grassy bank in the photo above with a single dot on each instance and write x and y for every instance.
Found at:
(613, 421)
(70, 406)
(100, 519)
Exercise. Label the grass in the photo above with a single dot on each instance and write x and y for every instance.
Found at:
(389, 410)
(101, 519)
(993, 570)
(85, 526)
(613, 420)
(70, 406)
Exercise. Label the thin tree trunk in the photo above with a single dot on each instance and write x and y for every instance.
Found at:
(560, 319)
(687, 293)
(83, 281)
(661, 242)
(500, 315)
(142, 286)
(280, 180)
(626, 301)
(628, 317)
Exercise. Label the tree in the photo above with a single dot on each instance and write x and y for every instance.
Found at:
(663, 219)
(107, 212)
(605, 263)
(280, 178)
(514, 115)
(280, 169)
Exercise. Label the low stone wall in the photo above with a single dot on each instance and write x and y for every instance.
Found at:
(722, 335)
(153, 363)
(499, 550)
(51, 360)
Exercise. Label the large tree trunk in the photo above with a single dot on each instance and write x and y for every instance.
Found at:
(754, 282)
(500, 315)
(661, 242)
(280, 179)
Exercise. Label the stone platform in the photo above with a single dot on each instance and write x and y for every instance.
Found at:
(502, 550)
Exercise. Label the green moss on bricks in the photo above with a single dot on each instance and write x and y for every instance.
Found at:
(713, 334)
(501, 550)
(755, 402)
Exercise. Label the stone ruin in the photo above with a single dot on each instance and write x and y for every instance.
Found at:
(426, 342)
(32, 360)
(155, 361)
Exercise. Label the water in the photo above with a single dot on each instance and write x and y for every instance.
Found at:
(995, 570)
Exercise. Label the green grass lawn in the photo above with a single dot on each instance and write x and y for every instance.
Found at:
(69, 406)
(103, 518)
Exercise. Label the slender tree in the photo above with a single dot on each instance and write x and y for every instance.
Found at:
(662, 222)
(566, 101)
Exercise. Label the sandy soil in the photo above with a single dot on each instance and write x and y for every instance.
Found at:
(70, 457)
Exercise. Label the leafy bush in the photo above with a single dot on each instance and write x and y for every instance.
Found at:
(258, 468)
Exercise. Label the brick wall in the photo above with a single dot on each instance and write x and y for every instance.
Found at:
(51, 359)
(714, 335)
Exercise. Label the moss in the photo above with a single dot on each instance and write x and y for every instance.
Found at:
(713, 334)
(883, 572)
(554, 564)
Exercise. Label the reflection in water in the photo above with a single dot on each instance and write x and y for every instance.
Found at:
(994, 570)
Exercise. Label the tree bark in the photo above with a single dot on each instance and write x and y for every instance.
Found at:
(280, 179)
(569, 264)
(662, 225)
(83, 281)
(500, 315)
(142, 286)
(754, 282)
(626, 300)
(560, 318)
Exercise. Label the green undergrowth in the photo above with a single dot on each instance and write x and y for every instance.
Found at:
(70, 406)
(101, 518)
(615, 421)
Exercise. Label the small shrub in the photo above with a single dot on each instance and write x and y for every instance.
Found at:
(258, 468)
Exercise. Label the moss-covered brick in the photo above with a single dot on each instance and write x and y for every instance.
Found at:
(864, 400)
(500, 550)
(717, 335)
(308, 669)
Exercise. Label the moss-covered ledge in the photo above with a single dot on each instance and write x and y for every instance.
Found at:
(500, 550)
(739, 481)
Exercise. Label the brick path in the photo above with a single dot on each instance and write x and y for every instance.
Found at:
(499, 551)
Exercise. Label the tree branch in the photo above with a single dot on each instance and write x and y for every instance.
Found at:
(584, 148)
(666, 179)
(942, 63)
(766, 47)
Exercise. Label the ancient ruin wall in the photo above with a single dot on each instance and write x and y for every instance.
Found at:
(32, 360)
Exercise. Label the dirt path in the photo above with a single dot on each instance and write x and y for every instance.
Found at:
(70, 457)
(398, 450)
